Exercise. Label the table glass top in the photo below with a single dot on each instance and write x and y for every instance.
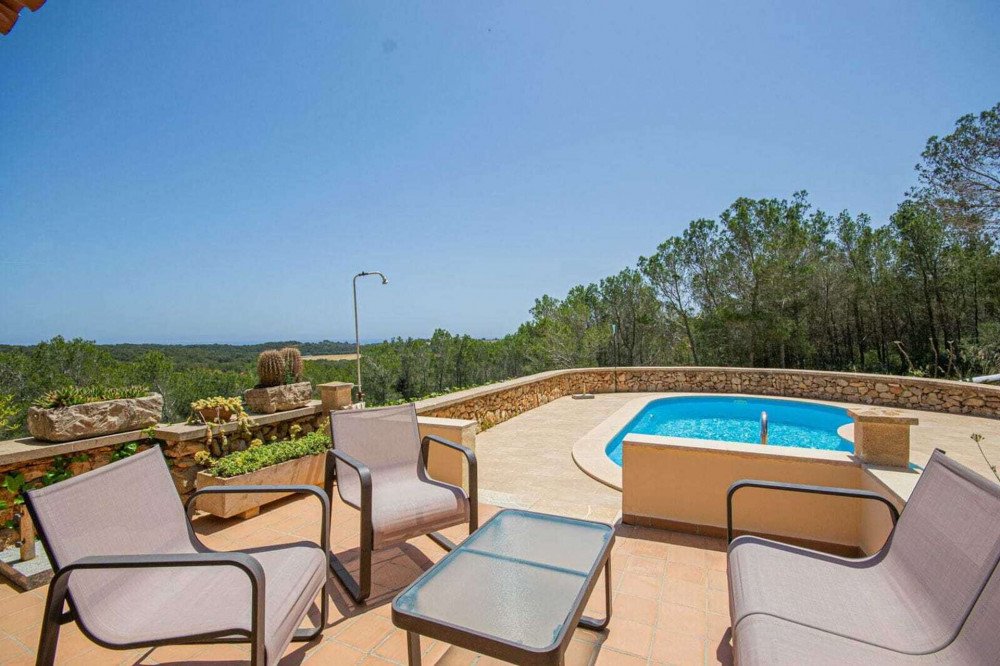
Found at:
(516, 579)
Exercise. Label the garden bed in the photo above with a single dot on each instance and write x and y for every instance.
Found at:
(291, 462)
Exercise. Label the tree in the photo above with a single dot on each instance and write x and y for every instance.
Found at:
(961, 171)
(570, 330)
(671, 272)
(628, 303)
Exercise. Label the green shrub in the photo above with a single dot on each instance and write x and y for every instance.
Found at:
(259, 457)
(74, 395)
(8, 415)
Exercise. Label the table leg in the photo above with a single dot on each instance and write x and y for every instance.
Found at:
(413, 648)
(598, 625)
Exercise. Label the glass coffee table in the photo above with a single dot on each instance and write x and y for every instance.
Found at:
(514, 590)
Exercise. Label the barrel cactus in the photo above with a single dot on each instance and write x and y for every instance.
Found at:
(293, 364)
(271, 368)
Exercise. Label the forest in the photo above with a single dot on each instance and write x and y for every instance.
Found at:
(767, 283)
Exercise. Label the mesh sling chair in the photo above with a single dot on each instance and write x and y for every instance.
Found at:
(133, 573)
(930, 595)
(380, 464)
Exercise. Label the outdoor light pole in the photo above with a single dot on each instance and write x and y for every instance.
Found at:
(357, 335)
(614, 341)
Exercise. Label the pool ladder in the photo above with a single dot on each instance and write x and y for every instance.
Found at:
(763, 427)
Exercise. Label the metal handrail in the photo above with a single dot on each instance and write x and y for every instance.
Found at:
(763, 427)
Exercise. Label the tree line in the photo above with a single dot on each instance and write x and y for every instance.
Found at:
(767, 283)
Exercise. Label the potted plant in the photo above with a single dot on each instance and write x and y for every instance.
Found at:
(215, 413)
(217, 409)
(78, 413)
(299, 460)
(279, 382)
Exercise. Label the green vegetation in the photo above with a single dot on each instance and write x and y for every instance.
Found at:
(216, 406)
(291, 359)
(8, 415)
(265, 455)
(767, 283)
(279, 366)
(75, 395)
(13, 485)
(270, 368)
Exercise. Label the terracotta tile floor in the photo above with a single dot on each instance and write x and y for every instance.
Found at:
(670, 603)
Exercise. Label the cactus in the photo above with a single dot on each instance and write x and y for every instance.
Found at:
(270, 368)
(293, 364)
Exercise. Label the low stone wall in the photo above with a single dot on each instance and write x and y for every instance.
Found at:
(182, 442)
(495, 403)
(36, 460)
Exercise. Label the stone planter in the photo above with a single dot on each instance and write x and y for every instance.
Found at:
(271, 399)
(215, 415)
(307, 470)
(94, 419)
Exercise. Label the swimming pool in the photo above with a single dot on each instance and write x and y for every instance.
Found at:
(733, 419)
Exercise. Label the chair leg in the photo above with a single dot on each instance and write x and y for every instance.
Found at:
(361, 589)
(447, 543)
(304, 634)
(53, 619)
(48, 641)
(442, 541)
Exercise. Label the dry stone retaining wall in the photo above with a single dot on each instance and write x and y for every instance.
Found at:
(495, 403)
(179, 455)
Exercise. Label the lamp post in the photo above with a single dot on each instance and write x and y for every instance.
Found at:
(357, 335)
(614, 340)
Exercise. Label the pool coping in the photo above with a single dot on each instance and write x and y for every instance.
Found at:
(589, 451)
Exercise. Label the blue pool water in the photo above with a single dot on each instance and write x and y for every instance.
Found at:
(731, 419)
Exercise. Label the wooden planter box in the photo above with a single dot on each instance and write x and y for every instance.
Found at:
(271, 399)
(94, 419)
(306, 470)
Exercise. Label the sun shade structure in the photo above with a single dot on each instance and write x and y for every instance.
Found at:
(10, 9)
(931, 595)
(379, 462)
(134, 574)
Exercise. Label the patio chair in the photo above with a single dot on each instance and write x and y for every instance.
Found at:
(380, 464)
(931, 594)
(133, 573)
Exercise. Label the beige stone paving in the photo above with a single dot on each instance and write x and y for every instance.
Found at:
(527, 462)
(670, 595)
(670, 604)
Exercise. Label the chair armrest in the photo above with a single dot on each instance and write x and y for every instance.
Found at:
(801, 488)
(247, 564)
(364, 477)
(470, 460)
(323, 498)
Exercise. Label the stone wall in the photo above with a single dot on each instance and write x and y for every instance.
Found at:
(179, 442)
(180, 454)
(495, 403)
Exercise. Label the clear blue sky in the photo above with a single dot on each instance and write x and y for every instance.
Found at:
(217, 171)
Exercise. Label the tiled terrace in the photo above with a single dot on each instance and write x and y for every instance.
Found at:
(670, 603)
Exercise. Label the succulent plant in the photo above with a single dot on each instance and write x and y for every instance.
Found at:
(220, 404)
(74, 395)
(271, 368)
(204, 458)
(293, 364)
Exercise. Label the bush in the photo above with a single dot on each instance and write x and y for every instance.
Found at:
(259, 457)
(74, 395)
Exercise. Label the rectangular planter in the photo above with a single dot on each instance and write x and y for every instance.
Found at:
(271, 399)
(306, 470)
(94, 419)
